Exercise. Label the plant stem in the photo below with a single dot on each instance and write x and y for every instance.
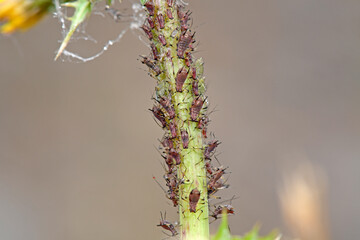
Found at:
(181, 107)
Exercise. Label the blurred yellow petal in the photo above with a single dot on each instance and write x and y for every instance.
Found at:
(21, 14)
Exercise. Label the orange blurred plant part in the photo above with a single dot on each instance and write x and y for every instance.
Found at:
(22, 14)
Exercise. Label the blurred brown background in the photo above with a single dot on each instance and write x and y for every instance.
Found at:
(77, 143)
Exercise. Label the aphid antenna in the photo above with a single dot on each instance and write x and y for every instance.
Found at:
(217, 160)
(160, 185)
(157, 122)
(226, 200)
(161, 153)
(213, 111)
(163, 165)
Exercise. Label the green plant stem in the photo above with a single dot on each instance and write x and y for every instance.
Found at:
(191, 171)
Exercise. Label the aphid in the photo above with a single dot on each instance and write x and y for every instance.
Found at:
(170, 3)
(150, 7)
(167, 225)
(167, 105)
(188, 59)
(151, 22)
(202, 125)
(169, 13)
(194, 197)
(184, 20)
(167, 143)
(171, 182)
(185, 138)
(161, 20)
(162, 39)
(180, 78)
(203, 122)
(195, 108)
(184, 41)
(154, 51)
(147, 31)
(195, 87)
(151, 64)
(173, 197)
(213, 187)
(219, 209)
(180, 12)
(169, 194)
(159, 115)
(170, 163)
(175, 156)
(217, 175)
(172, 128)
(208, 168)
(193, 73)
(210, 148)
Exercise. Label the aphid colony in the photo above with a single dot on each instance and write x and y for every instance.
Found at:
(180, 76)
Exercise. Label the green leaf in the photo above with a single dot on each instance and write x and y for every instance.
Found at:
(82, 10)
(224, 233)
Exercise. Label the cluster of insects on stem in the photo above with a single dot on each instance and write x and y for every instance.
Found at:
(180, 109)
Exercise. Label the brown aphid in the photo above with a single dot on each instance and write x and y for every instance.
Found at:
(209, 168)
(174, 155)
(150, 7)
(169, 194)
(151, 64)
(159, 115)
(194, 197)
(213, 187)
(170, 3)
(167, 225)
(202, 125)
(219, 209)
(167, 143)
(161, 20)
(184, 18)
(188, 59)
(170, 163)
(185, 139)
(180, 13)
(217, 175)
(174, 198)
(169, 13)
(184, 41)
(195, 87)
(203, 131)
(147, 31)
(172, 128)
(167, 105)
(155, 52)
(180, 78)
(210, 148)
(151, 22)
(162, 39)
(196, 108)
(171, 181)
(203, 122)
(193, 73)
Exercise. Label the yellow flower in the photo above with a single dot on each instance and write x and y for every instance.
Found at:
(21, 14)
